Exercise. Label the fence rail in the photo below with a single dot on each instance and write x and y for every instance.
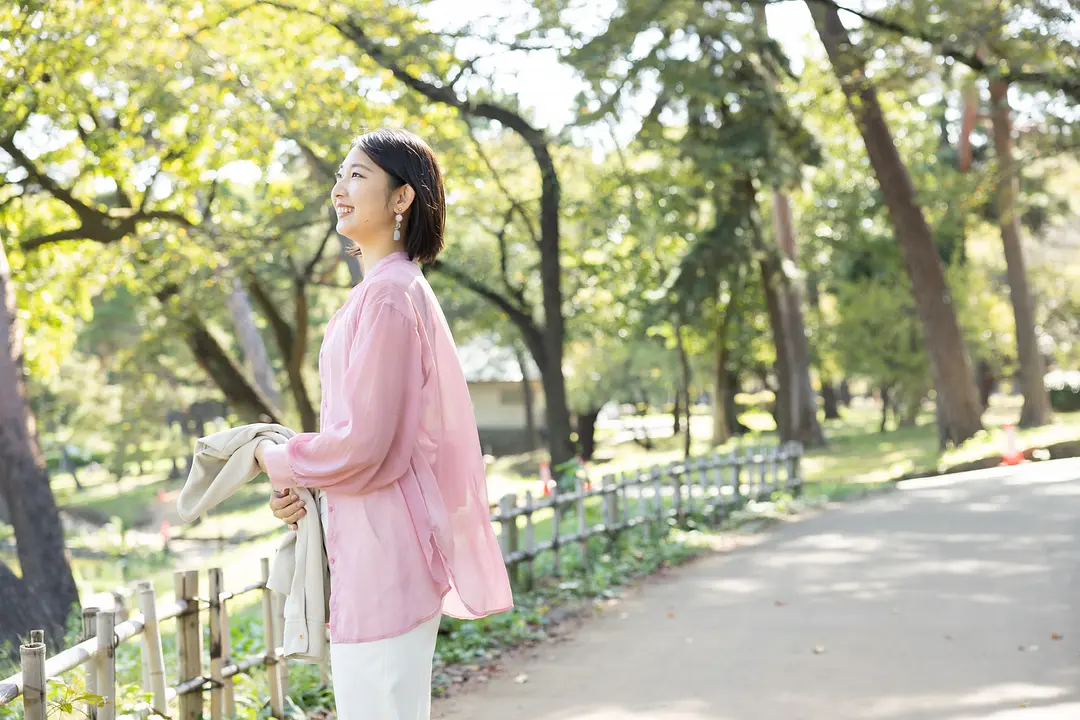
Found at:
(102, 635)
(712, 487)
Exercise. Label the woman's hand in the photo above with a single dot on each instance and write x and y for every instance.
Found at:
(287, 507)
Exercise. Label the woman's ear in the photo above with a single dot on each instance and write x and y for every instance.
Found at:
(404, 200)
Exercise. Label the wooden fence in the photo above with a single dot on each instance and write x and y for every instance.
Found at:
(710, 487)
(102, 634)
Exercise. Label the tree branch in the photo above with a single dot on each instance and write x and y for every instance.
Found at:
(514, 204)
(517, 314)
(309, 269)
(60, 193)
(1066, 84)
(283, 332)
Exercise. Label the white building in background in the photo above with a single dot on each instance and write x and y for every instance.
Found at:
(496, 384)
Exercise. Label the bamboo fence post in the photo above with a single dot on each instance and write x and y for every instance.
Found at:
(226, 652)
(188, 642)
(32, 661)
(153, 659)
(556, 523)
(624, 508)
(217, 657)
(782, 460)
(582, 525)
(773, 471)
(658, 499)
(508, 535)
(530, 542)
(760, 457)
(796, 468)
(106, 664)
(273, 668)
(609, 505)
(642, 513)
(89, 624)
(279, 641)
(692, 466)
(717, 474)
(736, 478)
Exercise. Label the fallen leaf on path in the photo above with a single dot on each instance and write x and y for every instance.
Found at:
(1056, 636)
(779, 603)
(671, 613)
(522, 679)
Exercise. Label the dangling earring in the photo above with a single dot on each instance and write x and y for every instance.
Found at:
(397, 227)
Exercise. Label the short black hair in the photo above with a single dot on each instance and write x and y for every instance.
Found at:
(409, 161)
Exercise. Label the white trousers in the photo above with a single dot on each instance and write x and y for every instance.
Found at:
(385, 679)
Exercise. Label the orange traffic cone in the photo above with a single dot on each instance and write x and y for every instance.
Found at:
(1012, 455)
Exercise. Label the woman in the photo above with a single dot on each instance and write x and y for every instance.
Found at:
(398, 459)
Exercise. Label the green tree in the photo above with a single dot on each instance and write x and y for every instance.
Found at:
(958, 397)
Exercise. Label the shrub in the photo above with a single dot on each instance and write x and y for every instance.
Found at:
(1064, 389)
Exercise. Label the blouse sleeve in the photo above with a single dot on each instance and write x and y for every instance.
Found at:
(373, 446)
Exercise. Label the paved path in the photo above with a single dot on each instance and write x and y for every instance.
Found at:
(950, 599)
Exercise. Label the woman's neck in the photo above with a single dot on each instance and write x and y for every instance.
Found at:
(372, 255)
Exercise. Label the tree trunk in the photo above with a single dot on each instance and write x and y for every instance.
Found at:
(1036, 400)
(845, 393)
(676, 412)
(46, 593)
(731, 409)
(243, 397)
(251, 341)
(642, 409)
(884, 407)
(309, 420)
(684, 387)
(807, 428)
(292, 344)
(721, 431)
(828, 397)
(586, 430)
(951, 365)
(527, 394)
(785, 411)
(809, 431)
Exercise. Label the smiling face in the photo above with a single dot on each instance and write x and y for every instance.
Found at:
(363, 199)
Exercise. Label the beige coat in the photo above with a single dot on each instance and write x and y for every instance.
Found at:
(224, 462)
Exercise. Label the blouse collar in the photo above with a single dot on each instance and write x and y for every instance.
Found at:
(385, 262)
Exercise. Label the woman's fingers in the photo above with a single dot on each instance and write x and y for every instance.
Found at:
(287, 507)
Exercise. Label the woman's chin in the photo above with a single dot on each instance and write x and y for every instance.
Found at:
(344, 225)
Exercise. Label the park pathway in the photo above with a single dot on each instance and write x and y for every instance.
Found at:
(952, 598)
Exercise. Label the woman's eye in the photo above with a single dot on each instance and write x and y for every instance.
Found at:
(356, 174)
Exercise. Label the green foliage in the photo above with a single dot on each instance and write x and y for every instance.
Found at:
(1064, 389)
